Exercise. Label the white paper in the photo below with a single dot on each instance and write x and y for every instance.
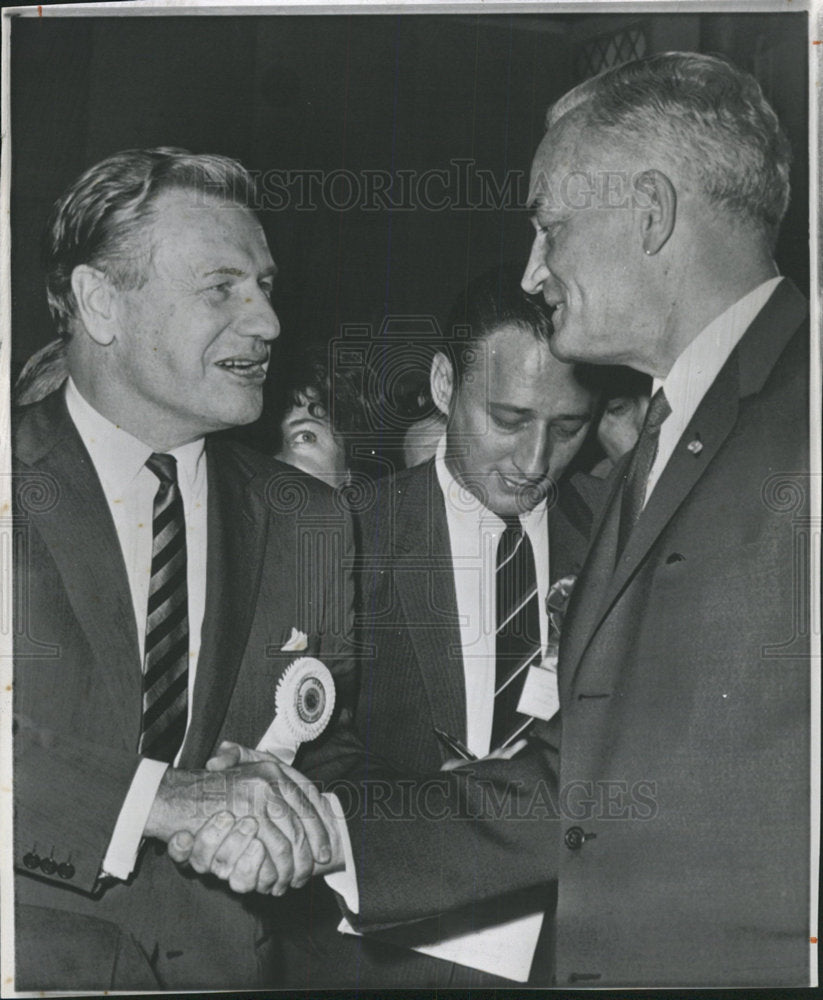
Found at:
(505, 949)
(539, 697)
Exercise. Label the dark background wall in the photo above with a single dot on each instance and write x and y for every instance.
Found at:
(391, 95)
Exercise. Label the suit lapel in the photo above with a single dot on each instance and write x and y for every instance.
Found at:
(710, 426)
(237, 531)
(747, 368)
(571, 520)
(424, 579)
(93, 572)
(589, 591)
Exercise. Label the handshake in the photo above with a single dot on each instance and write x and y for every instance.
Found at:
(249, 819)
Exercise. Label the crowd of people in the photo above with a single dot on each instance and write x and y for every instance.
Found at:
(535, 708)
(315, 417)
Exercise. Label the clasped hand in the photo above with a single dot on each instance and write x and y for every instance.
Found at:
(267, 828)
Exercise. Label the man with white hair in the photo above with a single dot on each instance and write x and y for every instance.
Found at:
(657, 194)
(673, 810)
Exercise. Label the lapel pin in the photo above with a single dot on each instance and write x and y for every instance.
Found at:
(695, 447)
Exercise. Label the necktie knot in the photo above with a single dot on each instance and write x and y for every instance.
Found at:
(509, 540)
(164, 467)
(512, 523)
(659, 410)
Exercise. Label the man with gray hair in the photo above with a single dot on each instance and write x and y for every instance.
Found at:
(670, 808)
(165, 585)
(657, 194)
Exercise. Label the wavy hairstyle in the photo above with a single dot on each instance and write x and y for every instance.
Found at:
(101, 219)
(492, 301)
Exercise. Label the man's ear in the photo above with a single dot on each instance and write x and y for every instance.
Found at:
(658, 204)
(94, 295)
(441, 381)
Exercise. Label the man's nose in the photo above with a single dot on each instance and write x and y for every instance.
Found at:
(536, 270)
(533, 453)
(258, 318)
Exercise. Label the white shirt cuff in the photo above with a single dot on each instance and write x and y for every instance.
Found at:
(134, 813)
(343, 883)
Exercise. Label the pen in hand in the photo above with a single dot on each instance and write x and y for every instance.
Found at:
(453, 745)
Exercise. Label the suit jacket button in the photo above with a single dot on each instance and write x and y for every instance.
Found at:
(31, 860)
(66, 870)
(574, 838)
(48, 865)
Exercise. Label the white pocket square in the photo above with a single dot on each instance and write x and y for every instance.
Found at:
(297, 642)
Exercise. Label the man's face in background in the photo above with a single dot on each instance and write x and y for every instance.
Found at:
(516, 419)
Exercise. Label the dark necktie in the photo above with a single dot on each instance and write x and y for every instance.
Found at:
(640, 465)
(166, 656)
(518, 630)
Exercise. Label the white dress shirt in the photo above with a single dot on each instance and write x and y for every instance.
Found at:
(130, 487)
(698, 366)
(474, 532)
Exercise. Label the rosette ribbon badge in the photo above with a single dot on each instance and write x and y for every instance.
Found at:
(304, 702)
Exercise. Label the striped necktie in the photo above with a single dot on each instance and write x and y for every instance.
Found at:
(165, 662)
(640, 466)
(518, 630)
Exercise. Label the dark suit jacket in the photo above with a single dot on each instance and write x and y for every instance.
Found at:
(412, 675)
(276, 542)
(675, 818)
(412, 679)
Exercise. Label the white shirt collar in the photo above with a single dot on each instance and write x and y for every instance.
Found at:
(118, 456)
(465, 505)
(699, 365)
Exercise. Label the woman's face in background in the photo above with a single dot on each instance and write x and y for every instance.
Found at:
(310, 444)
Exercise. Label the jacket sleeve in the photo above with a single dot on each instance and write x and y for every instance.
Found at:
(427, 844)
(71, 771)
(67, 796)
